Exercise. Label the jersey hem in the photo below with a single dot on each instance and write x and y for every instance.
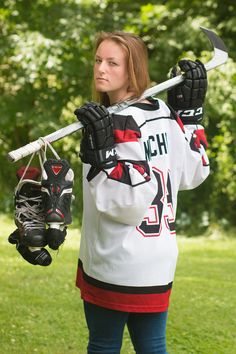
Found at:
(123, 308)
(127, 302)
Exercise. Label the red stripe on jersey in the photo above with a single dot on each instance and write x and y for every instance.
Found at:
(124, 136)
(200, 138)
(179, 121)
(142, 171)
(122, 301)
(204, 161)
(117, 172)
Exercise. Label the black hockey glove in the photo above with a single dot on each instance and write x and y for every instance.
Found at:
(188, 97)
(97, 145)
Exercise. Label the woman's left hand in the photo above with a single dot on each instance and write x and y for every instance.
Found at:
(188, 97)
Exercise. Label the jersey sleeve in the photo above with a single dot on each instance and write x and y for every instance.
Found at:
(124, 192)
(195, 163)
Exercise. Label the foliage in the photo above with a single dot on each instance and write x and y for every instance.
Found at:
(46, 69)
(202, 315)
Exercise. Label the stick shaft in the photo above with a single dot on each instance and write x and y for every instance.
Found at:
(36, 145)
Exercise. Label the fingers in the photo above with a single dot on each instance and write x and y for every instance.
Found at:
(201, 70)
(174, 71)
(191, 92)
(193, 69)
(90, 113)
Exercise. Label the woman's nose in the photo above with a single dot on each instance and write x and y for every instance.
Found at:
(102, 67)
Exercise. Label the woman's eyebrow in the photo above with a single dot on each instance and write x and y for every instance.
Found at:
(110, 58)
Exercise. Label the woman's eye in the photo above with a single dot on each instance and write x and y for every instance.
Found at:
(98, 61)
(112, 63)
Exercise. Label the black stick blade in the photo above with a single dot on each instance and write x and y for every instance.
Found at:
(214, 39)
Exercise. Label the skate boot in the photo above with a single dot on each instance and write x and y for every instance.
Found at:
(57, 184)
(33, 255)
(30, 235)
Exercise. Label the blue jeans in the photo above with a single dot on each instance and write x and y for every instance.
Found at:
(106, 327)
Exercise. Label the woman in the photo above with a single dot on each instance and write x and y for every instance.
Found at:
(135, 162)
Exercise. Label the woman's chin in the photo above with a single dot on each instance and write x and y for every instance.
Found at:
(100, 88)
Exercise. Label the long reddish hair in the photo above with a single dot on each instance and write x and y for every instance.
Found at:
(137, 63)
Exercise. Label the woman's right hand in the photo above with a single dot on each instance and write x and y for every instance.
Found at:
(97, 145)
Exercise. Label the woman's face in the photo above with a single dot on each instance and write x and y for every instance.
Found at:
(110, 71)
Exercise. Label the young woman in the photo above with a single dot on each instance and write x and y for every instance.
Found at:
(135, 162)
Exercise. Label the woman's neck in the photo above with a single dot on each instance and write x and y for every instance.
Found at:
(114, 99)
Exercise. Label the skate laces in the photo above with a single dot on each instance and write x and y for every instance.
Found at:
(28, 209)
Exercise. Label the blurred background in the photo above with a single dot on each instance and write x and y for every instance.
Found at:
(46, 69)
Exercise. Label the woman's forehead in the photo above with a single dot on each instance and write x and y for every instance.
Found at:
(110, 49)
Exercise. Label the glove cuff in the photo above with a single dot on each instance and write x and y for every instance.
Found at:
(107, 158)
(103, 159)
(191, 116)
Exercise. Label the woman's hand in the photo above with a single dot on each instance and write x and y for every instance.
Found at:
(188, 97)
(97, 145)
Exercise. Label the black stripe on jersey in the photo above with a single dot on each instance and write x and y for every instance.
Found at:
(124, 122)
(193, 145)
(93, 172)
(157, 289)
(156, 118)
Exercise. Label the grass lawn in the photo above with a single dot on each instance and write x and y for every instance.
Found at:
(41, 310)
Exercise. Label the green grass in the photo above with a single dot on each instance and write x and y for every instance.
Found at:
(41, 310)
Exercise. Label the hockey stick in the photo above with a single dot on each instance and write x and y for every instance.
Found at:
(219, 58)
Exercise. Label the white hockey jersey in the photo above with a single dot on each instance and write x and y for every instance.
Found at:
(128, 249)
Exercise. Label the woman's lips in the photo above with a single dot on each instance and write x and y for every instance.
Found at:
(101, 79)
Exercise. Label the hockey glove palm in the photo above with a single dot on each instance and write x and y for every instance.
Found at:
(188, 97)
(97, 145)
